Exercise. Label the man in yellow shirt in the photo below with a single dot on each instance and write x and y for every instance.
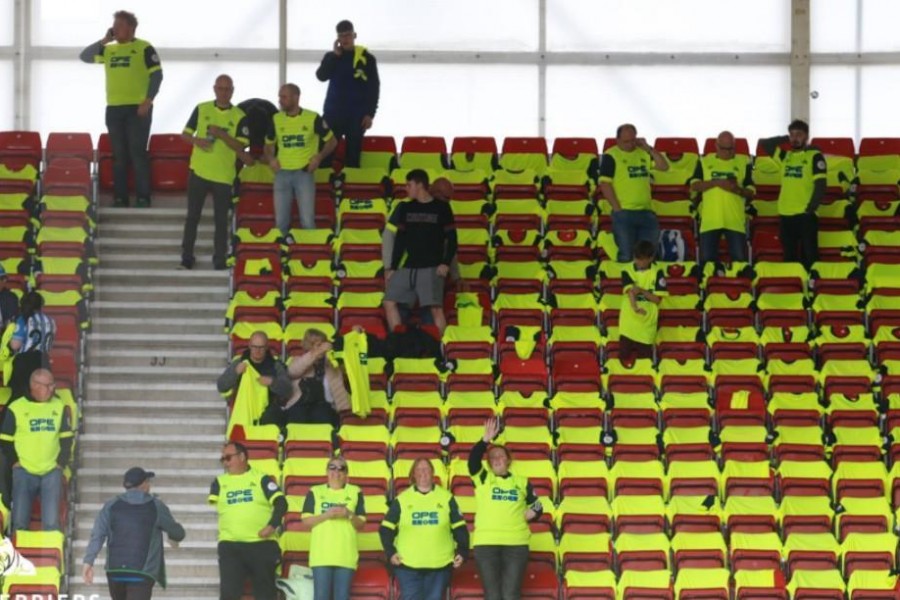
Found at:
(297, 141)
(218, 131)
(36, 439)
(133, 77)
(803, 183)
(251, 507)
(625, 183)
(725, 182)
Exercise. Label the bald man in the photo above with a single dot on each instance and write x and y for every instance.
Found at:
(218, 132)
(723, 181)
(272, 372)
(36, 440)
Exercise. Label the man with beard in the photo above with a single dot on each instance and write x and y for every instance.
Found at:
(803, 172)
(293, 152)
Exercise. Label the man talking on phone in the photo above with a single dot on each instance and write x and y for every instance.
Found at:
(133, 77)
(353, 88)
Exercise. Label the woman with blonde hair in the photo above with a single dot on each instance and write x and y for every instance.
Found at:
(319, 394)
(335, 511)
(424, 536)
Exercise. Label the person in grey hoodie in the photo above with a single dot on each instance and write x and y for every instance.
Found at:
(132, 524)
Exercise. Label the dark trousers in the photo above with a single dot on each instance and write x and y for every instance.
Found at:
(23, 366)
(709, 245)
(502, 569)
(313, 412)
(630, 349)
(800, 238)
(131, 590)
(198, 189)
(128, 136)
(254, 560)
(423, 584)
(349, 128)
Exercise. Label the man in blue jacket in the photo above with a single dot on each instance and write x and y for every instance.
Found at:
(353, 88)
(132, 524)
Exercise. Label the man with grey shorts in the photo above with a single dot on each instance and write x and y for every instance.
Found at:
(424, 247)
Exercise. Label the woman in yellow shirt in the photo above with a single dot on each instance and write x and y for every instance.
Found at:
(504, 504)
(335, 511)
(424, 536)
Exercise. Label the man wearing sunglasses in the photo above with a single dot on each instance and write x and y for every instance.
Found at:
(251, 507)
(335, 511)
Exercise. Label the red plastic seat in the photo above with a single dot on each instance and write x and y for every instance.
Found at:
(69, 145)
(525, 145)
(474, 145)
(835, 146)
(170, 157)
(68, 177)
(676, 146)
(424, 144)
(19, 148)
(371, 582)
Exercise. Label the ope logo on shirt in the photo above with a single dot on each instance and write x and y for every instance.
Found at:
(795, 172)
(41, 425)
(119, 62)
(239, 496)
(293, 141)
(502, 495)
(425, 517)
(635, 172)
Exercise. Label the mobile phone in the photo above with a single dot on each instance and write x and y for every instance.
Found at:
(110, 33)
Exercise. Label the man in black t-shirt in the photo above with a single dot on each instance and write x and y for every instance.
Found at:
(424, 247)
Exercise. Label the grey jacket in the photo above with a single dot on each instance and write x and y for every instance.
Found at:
(133, 523)
(280, 387)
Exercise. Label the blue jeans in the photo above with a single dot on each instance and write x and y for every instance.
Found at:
(291, 183)
(128, 136)
(632, 226)
(332, 583)
(709, 245)
(423, 584)
(26, 487)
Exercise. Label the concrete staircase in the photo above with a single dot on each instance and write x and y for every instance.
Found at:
(154, 352)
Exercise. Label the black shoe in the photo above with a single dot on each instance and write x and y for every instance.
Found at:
(289, 240)
(219, 266)
(143, 203)
(120, 202)
(186, 264)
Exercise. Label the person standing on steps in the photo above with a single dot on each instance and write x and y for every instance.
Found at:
(132, 524)
(353, 90)
(218, 132)
(133, 77)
